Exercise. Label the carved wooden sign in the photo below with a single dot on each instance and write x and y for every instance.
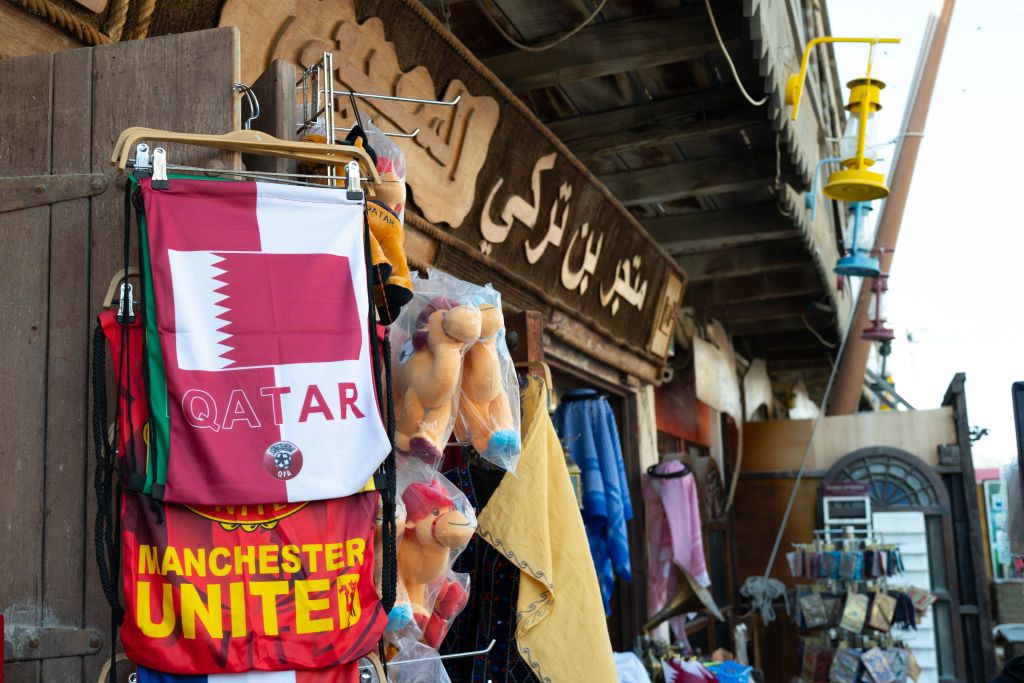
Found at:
(445, 157)
(485, 170)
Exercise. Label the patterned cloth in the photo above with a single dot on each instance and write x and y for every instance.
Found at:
(491, 612)
(586, 426)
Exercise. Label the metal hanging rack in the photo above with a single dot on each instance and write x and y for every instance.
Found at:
(454, 655)
(318, 95)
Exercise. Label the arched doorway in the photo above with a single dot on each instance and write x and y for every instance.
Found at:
(901, 483)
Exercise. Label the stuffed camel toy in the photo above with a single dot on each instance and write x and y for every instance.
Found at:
(485, 417)
(426, 379)
(433, 527)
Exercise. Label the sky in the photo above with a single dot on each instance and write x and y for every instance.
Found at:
(955, 291)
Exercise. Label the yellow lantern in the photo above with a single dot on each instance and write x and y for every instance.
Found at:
(857, 148)
(854, 182)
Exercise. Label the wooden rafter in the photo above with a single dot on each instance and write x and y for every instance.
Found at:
(711, 230)
(613, 47)
(747, 260)
(773, 309)
(661, 122)
(685, 179)
(794, 281)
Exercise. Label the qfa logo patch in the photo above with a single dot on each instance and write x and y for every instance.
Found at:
(283, 460)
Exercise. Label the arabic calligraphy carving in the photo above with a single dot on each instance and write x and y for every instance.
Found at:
(577, 267)
(516, 208)
(633, 293)
(579, 278)
(445, 158)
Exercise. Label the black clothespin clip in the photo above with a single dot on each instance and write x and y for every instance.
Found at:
(126, 303)
(160, 181)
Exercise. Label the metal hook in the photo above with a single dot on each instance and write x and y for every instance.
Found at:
(390, 135)
(394, 98)
(254, 103)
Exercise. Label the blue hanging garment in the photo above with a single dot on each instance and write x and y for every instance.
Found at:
(586, 426)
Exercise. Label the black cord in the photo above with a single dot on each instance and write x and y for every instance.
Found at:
(387, 479)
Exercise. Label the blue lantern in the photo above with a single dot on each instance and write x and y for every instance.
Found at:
(858, 261)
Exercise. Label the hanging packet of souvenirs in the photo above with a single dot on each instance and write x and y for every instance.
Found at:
(877, 664)
(883, 608)
(921, 598)
(846, 666)
(259, 346)
(855, 612)
(132, 448)
(850, 565)
(230, 589)
(795, 559)
(813, 610)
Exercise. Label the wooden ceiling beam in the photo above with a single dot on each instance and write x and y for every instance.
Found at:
(773, 309)
(775, 284)
(744, 329)
(661, 122)
(685, 179)
(711, 230)
(751, 259)
(614, 47)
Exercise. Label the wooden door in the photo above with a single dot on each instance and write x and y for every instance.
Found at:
(60, 113)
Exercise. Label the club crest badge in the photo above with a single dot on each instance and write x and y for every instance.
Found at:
(283, 460)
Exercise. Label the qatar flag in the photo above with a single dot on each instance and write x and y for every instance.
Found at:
(260, 371)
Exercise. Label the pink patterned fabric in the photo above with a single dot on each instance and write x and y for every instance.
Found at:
(673, 537)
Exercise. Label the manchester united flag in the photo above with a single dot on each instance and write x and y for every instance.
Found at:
(231, 589)
(260, 373)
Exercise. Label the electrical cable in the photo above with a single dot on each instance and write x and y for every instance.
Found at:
(817, 335)
(544, 46)
(760, 589)
(728, 59)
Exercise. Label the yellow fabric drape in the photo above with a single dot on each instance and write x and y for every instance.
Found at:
(533, 519)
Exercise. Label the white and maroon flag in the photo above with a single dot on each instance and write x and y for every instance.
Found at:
(262, 322)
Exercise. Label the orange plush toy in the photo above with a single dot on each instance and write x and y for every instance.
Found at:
(433, 528)
(485, 416)
(427, 372)
(392, 288)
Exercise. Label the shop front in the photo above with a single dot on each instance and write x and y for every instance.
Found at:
(588, 301)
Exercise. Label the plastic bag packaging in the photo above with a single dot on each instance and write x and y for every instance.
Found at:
(450, 595)
(439, 524)
(429, 339)
(416, 663)
(488, 413)
(391, 167)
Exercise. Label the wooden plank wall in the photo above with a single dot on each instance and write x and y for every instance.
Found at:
(61, 113)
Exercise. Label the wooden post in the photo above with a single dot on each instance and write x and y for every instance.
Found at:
(850, 377)
(528, 327)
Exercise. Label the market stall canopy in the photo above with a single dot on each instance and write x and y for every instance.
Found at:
(643, 95)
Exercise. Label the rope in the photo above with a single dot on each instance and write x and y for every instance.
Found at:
(114, 25)
(389, 530)
(144, 11)
(387, 479)
(64, 19)
(728, 59)
(760, 589)
(762, 593)
(543, 46)
(107, 543)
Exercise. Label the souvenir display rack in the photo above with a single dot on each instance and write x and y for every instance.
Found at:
(846, 605)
